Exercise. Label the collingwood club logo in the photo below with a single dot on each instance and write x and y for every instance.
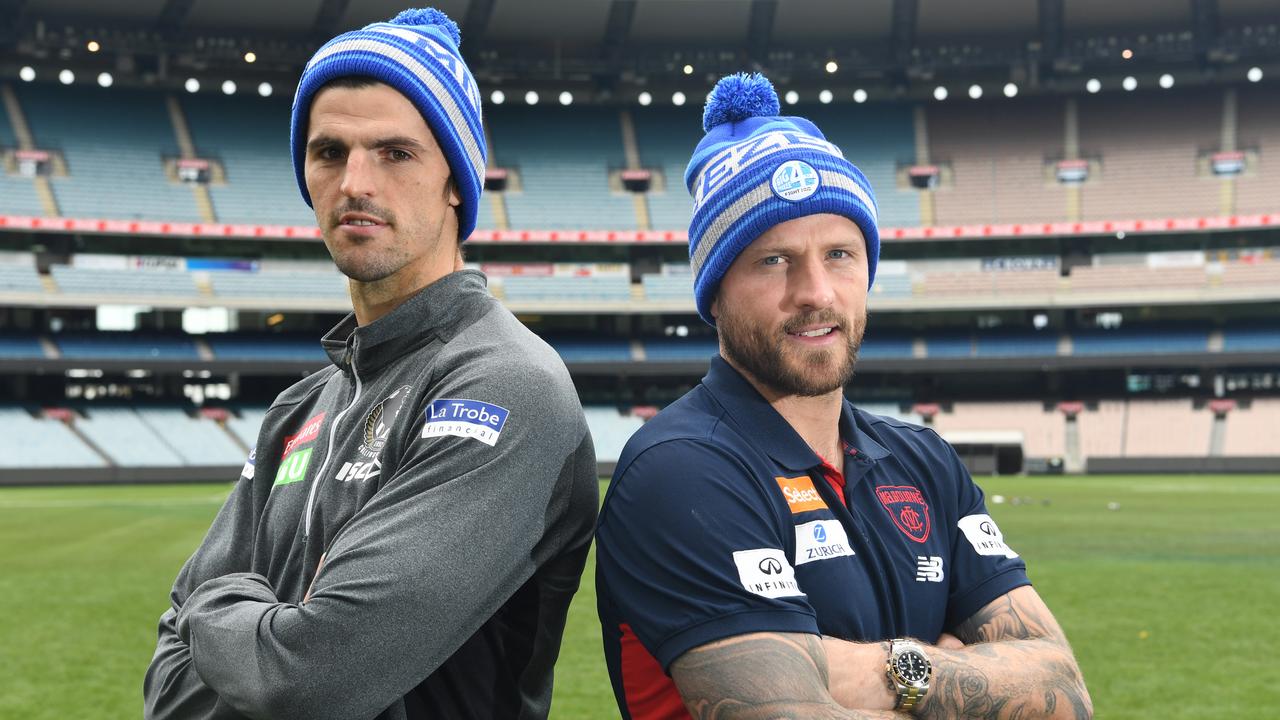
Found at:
(376, 428)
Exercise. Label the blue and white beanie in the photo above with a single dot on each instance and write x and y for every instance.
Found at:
(416, 52)
(756, 169)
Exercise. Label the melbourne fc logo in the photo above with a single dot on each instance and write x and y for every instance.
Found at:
(795, 180)
(377, 424)
(908, 509)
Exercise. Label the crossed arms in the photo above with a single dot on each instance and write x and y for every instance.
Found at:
(1015, 663)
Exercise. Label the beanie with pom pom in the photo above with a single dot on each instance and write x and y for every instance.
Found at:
(416, 52)
(756, 169)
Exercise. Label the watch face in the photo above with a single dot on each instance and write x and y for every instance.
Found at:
(911, 667)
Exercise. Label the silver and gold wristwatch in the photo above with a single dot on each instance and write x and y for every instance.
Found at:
(909, 671)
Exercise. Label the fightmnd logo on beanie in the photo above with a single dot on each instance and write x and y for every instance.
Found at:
(416, 52)
(756, 169)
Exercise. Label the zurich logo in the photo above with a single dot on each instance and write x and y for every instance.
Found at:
(819, 533)
(795, 180)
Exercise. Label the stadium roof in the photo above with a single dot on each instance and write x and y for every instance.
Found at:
(606, 44)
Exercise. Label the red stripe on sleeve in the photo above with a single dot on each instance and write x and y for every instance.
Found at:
(650, 693)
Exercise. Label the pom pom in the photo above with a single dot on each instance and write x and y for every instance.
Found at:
(429, 16)
(738, 97)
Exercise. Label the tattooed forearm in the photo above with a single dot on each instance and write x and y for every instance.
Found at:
(1017, 664)
(762, 676)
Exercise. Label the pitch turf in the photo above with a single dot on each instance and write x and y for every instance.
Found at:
(1170, 599)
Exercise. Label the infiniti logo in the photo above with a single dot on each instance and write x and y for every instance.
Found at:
(770, 566)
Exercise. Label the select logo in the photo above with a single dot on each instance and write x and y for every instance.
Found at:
(800, 493)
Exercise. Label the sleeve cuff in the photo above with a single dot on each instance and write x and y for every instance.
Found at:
(739, 623)
(215, 593)
(974, 599)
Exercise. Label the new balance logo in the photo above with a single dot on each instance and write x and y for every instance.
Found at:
(929, 568)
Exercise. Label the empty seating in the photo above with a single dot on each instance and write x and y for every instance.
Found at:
(1166, 428)
(878, 344)
(949, 344)
(15, 347)
(20, 278)
(198, 441)
(610, 431)
(1130, 277)
(563, 157)
(74, 280)
(1015, 344)
(125, 346)
(1253, 431)
(1148, 143)
(567, 289)
(114, 142)
(246, 425)
(666, 137)
(1258, 108)
(27, 442)
(676, 349)
(668, 287)
(17, 194)
(997, 151)
(1101, 430)
(330, 285)
(1251, 338)
(1043, 429)
(126, 439)
(877, 139)
(262, 346)
(1140, 340)
(250, 136)
(591, 350)
(890, 286)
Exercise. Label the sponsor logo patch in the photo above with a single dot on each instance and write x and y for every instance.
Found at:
(795, 180)
(293, 468)
(800, 493)
(929, 568)
(465, 418)
(377, 424)
(985, 537)
(767, 573)
(906, 505)
(246, 472)
(821, 540)
(310, 431)
(361, 471)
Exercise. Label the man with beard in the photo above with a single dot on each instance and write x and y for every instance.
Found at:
(766, 550)
(405, 540)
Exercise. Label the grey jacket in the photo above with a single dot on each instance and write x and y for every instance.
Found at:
(431, 496)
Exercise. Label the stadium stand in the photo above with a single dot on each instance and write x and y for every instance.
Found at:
(247, 135)
(265, 347)
(667, 287)
(18, 193)
(1166, 428)
(1251, 338)
(125, 346)
(1253, 430)
(28, 442)
(74, 280)
(567, 289)
(1140, 340)
(610, 431)
(878, 344)
(563, 157)
(666, 138)
(892, 410)
(949, 344)
(582, 349)
(197, 441)
(878, 139)
(1258, 132)
(245, 425)
(325, 283)
(126, 439)
(17, 346)
(1149, 144)
(680, 349)
(115, 163)
(1134, 276)
(1015, 343)
(1101, 429)
(19, 278)
(1043, 429)
(997, 151)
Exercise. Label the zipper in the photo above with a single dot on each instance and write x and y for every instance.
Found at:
(333, 431)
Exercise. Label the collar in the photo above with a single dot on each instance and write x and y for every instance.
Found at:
(769, 431)
(438, 311)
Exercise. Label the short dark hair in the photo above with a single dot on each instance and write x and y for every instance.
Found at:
(351, 82)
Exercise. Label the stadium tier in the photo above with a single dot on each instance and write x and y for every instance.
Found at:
(1146, 154)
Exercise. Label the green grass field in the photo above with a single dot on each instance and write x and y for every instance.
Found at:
(1170, 600)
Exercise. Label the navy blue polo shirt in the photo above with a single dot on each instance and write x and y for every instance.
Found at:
(719, 522)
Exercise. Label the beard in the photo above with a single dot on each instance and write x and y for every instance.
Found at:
(765, 354)
(361, 262)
